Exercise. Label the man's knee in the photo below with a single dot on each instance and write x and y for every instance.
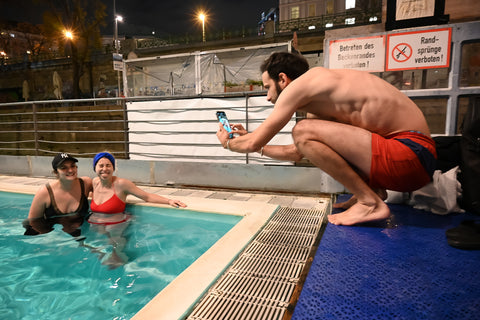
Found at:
(300, 131)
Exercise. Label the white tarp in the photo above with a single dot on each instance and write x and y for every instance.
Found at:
(184, 129)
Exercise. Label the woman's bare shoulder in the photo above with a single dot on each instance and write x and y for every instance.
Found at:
(123, 183)
(42, 193)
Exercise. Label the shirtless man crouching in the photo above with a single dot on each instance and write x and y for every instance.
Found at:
(360, 130)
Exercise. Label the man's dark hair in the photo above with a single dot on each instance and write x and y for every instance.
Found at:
(292, 64)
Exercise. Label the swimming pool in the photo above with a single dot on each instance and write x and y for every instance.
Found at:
(53, 274)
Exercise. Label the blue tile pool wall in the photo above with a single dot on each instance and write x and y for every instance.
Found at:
(402, 269)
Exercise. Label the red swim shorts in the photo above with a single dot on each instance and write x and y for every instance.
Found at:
(402, 162)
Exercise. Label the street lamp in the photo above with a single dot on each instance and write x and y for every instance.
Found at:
(68, 42)
(117, 44)
(68, 34)
(202, 17)
(117, 47)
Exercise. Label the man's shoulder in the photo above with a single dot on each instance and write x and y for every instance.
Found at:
(316, 70)
(320, 73)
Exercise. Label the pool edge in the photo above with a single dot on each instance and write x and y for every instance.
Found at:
(177, 298)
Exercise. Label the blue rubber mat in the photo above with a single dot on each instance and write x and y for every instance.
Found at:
(403, 269)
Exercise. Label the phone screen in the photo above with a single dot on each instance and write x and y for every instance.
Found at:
(222, 117)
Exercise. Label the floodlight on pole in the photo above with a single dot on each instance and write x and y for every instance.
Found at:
(68, 34)
(117, 19)
(69, 40)
(202, 17)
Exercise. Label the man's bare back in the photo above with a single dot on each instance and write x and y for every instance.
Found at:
(356, 98)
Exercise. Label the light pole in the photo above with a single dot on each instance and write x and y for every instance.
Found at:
(117, 44)
(201, 16)
(117, 47)
(69, 36)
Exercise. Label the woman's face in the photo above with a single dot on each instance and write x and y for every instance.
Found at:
(67, 170)
(104, 168)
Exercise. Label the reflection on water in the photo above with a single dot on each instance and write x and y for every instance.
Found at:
(71, 224)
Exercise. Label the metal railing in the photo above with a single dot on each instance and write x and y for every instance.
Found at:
(321, 23)
(84, 127)
(332, 21)
(48, 127)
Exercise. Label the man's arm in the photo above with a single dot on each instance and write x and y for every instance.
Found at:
(254, 141)
(278, 152)
(298, 94)
(283, 153)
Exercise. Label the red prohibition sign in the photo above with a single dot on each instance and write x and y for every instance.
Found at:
(402, 52)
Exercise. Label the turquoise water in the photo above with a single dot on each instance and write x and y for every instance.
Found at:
(53, 276)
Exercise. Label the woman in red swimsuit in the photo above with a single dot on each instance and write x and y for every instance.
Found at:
(108, 214)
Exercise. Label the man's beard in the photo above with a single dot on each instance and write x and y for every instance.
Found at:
(279, 90)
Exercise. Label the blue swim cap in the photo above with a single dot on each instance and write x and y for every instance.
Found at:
(101, 155)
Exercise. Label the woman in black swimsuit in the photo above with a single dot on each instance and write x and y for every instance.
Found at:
(63, 201)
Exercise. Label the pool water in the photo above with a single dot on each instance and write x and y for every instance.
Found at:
(54, 276)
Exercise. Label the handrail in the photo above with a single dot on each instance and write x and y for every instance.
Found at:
(47, 127)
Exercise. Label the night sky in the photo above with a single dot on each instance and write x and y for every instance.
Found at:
(141, 17)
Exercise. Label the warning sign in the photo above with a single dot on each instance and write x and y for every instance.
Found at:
(402, 52)
(367, 54)
(419, 49)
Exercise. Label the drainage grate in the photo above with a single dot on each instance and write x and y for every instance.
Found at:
(259, 284)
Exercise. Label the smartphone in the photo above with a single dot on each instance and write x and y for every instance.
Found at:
(222, 117)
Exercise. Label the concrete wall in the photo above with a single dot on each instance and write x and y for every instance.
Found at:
(307, 180)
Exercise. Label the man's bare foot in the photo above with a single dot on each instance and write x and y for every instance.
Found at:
(346, 204)
(361, 213)
(382, 193)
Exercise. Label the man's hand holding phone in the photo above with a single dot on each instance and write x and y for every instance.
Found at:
(222, 118)
(226, 131)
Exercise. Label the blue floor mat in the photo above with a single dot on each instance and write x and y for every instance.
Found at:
(402, 269)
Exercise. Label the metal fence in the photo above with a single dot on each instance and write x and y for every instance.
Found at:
(77, 126)
(87, 126)
(353, 18)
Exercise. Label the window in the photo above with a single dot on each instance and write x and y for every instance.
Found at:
(469, 77)
(470, 66)
(350, 21)
(294, 12)
(418, 79)
(329, 7)
(349, 4)
(311, 10)
(435, 112)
